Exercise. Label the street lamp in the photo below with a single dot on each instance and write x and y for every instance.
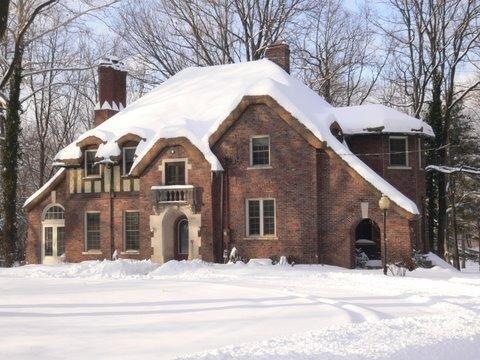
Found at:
(384, 204)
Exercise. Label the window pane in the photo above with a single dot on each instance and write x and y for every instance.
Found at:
(93, 231)
(175, 173)
(48, 241)
(129, 157)
(183, 237)
(132, 230)
(253, 217)
(90, 167)
(260, 151)
(55, 213)
(398, 155)
(268, 217)
(60, 241)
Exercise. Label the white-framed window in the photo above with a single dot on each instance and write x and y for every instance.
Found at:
(261, 217)
(128, 155)
(91, 169)
(398, 149)
(131, 230)
(260, 151)
(54, 212)
(92, 230)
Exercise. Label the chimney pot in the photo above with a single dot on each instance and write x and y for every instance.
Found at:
(279, 53)
(112, 88)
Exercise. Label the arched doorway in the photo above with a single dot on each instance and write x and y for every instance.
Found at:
(53, 234)
(181, 241)
(367, 239)
(165, 230)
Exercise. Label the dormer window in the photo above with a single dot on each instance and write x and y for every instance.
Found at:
(91, 169)
(398, 151)
(260, 151)
(128, 159)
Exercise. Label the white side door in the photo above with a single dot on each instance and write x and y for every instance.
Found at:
(53, 241)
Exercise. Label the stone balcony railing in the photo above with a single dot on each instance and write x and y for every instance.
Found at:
(165, 195)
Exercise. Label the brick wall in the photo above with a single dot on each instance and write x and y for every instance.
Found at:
(77, 204)
(291, 180)
(411, 181)
(317, 200)
(199, 175)
(340, 195)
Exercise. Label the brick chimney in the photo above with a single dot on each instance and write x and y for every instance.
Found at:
(279, 53)
(112, 89)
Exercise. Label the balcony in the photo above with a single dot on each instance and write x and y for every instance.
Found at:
(165, 195)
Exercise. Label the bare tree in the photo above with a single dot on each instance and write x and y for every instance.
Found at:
(21, 36)
(337, 55)
(432, 43)
(202, 32)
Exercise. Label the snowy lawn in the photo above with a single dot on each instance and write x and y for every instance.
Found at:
(137, 310)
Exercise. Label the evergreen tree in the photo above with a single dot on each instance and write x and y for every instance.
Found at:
(10, 157)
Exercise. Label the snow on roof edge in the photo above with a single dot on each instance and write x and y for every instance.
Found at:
(44, 187)
(358, 119)
(378, 182)
(257, 78)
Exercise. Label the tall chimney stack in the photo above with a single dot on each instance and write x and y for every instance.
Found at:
(112, 89)
(279, 53)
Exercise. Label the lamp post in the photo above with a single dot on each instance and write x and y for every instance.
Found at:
(384, 205)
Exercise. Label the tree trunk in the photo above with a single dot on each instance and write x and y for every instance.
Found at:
(10, 156)
(456, 259)
(431, 211)
(437, 202)
(442, 215)
(4, 5)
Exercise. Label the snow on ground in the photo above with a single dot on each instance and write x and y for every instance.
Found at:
(471, 267)
(196, 310)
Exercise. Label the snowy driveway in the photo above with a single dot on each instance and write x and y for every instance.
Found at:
(249, 312)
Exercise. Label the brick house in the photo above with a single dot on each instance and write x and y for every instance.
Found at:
(240, 155)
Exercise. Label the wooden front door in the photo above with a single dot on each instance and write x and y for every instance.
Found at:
(181, 242)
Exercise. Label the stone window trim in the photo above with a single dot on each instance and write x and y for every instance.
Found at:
(85, 226)
(126, 250)
(260, 236)
(398, 167)
(259, 166)
(162, 166)
(92, 176)
(124, 159)
(92, 252)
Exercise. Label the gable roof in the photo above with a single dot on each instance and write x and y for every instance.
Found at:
(45, 189)
(377, 118)
(195, 102)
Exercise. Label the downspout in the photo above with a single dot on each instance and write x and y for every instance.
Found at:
(221, 215)
(226, 231)
(111, 195)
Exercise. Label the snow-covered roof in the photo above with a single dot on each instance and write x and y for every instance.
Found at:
(194, 102)
(374, 118)
(46, 187)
